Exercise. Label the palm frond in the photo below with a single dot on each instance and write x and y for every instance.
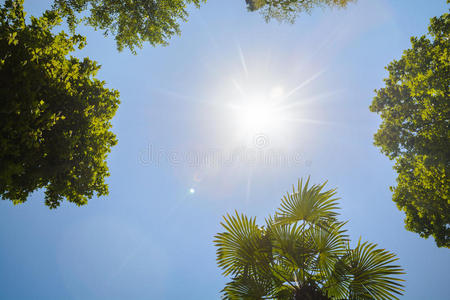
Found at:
(248, 287)
(308, 204)
(338, 282)
(243, 244)
(290, 247)
(329, 242)
(374, 276)
(255, 287)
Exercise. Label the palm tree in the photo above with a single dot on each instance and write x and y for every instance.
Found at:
(303, 252)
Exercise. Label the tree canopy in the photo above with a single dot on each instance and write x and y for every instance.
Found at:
(131, 22)
(414, 107)
(288, 10)
(303, 252)
(55, 115)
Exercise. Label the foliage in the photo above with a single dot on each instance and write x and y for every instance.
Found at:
(303, 252)
(55, 116)
(288, 10)
(415, 110)
(131, 22)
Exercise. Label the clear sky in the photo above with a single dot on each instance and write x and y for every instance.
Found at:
(183, 159)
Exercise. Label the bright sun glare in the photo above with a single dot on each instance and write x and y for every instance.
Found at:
(259, 103)
(259, 113)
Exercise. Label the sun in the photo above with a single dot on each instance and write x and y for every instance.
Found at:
(259, 113)
(255, 117)
(261, 98)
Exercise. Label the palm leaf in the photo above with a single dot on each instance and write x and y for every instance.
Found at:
(308, 204)
(248, 287)
(329, 243)
(291, 250)
(243, 244)
(374, 276)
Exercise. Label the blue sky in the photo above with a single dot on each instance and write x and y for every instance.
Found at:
(151, 238)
